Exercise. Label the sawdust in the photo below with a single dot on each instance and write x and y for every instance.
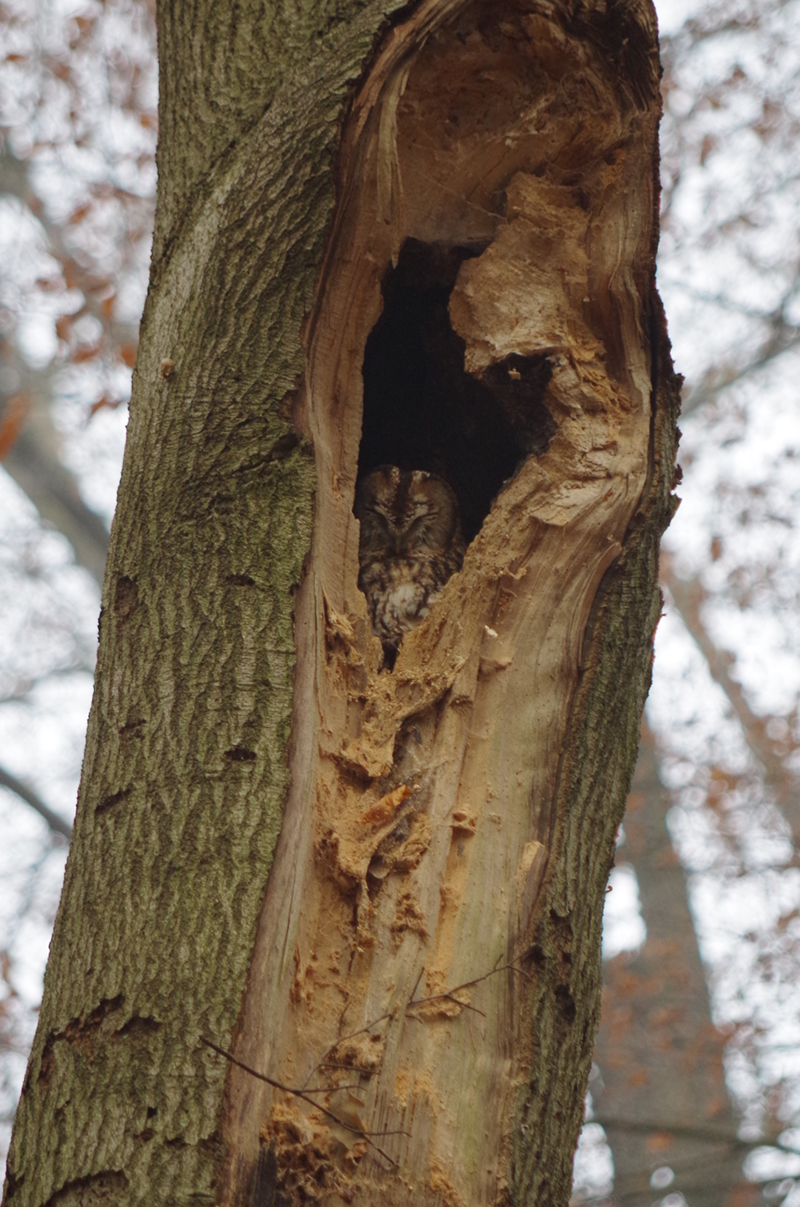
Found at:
(408, 916)
(311, 1162)
(363, 1053)
(441, 1185)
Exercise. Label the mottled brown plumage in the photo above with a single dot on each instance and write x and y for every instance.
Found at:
(410, 544)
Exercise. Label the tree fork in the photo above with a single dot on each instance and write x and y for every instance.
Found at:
(419, 949)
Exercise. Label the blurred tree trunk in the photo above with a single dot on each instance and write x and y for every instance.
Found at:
(381, 890)
(663, 1102)
(33, 463)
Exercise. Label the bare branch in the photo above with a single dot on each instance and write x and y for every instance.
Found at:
(56, 823)
(688, 598)
(785, 337)
(357, 1131)
(52, 490)
(33, 460)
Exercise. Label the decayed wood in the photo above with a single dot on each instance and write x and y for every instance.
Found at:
(398, 950)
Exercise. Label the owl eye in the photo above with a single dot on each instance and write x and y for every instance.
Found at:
(419, 523)
(383, 520)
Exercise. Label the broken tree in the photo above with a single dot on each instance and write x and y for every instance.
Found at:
(379, 890)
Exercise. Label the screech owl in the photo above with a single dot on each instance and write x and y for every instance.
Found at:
(410, 544)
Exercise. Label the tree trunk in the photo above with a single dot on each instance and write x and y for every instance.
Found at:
(419, 952)
(664, 1104)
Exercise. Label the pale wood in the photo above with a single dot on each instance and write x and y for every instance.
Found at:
(474, 717)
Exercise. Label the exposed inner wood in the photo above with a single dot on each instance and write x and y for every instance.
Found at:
(416, 836)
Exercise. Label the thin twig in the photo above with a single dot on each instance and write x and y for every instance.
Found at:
(286, 1089)
(56, 823)
(448, 993)
(331, 1089)
(711, 1135)
(688, 597)
(305, 1092)
(321, 1064)
(416, 983)
(329, 1064)
(444, 997)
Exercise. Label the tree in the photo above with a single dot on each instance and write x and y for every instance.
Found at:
(663, 1101)
(426, 962)
(724, 710)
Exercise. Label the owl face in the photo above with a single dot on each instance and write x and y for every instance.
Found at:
(405, 513)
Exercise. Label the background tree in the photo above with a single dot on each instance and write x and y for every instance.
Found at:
(723, 706)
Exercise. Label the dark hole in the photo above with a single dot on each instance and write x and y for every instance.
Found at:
(566, 1003)
(108, 802)
(126, 597)
(422, 410)
(265, 1188)
(537, 956)
(240, 754)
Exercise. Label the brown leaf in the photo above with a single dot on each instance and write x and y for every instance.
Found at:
(106, 402)
(64, 326)
(12, 422)
(87, 352)
(78, 214)
(127, 353)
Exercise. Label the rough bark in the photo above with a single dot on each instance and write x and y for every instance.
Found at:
(663, 1101)
(453, 818)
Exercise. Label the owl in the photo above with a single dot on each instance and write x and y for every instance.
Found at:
(410, 544)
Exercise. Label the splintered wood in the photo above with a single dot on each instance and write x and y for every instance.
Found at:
(392, 964)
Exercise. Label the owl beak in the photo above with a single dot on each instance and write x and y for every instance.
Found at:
(398, 543)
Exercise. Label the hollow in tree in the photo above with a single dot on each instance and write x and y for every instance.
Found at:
(330, 928)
